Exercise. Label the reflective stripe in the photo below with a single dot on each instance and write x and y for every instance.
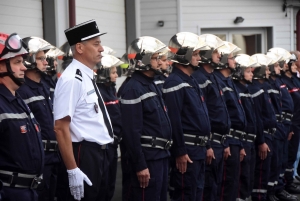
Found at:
(176, 88)
(273, 91)
(271, 183)
(257, 93)
(150, 137)
(227, 89)
(276, 182)
(34, 98)
(137, 100)
(205, 84)
(159, 82)
(52, 89)
(239, 199)
(259, 191)
(244, 95)
(23, 115)
(281, 175)
(289, 170)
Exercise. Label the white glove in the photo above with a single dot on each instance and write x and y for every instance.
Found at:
(76, 178)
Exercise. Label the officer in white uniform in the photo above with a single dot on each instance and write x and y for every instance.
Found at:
(82, 124)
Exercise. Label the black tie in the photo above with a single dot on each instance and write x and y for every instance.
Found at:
(102, 107)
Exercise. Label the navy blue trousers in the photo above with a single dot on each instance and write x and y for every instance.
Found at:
(247, 166)
(109, 179)
(261, 174)
(230, 179)
(126, 171)
(188, 186)
(283, 153)
(292, 154)
(213, 174)
(276, 166)
(158, 183)
(18, 194)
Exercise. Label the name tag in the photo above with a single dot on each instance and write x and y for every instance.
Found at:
(90, 92)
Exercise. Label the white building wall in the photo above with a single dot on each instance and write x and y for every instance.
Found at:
(21, 16)
(110, 18)
(152, 11)
(198, 14)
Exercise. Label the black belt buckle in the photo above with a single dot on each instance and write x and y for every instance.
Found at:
(223, 138)
(168, 144)
(35, 182)
(243, 136)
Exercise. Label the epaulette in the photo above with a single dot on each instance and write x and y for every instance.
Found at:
(78, 75)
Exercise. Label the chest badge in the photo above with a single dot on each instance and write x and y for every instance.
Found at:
(23, 129)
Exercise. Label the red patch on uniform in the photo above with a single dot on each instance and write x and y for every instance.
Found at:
(240, 101)
(36, 128)
(112, 102)
(23, 129)
(165, 108)
(221, 92)
(202, 98)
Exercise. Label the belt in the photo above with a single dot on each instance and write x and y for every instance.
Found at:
(50, 145)
(156, 142)
(19, 180)
(195, 140)
(287, 116)
(218, 138)
(270, 131)
(279, 118)
(237, 134)
(249, 137)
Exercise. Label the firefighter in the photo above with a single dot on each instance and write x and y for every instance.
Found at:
(189, 117)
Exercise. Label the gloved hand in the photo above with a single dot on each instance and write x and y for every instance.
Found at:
(76, 178)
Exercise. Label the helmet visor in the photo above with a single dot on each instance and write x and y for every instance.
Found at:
(13, 43)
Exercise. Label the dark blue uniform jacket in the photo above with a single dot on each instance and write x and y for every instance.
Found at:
(187, 111)
(21, 145)
(143, 113)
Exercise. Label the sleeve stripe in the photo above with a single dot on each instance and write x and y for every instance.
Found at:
(227, 89)
(176, 88)
(33, 99)
(244, 95)
(273, 91)
(257, 93)
(205, 84)
(159, 82)
(138, 100)
(4, 116)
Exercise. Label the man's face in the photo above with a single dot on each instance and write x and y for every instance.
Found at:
(195, 58)
(17, 66)
(231, 61)
(41, 62)
(285, 67)
(163, 62)
(154, 61)
(248, 75)
(277, 68)
(268, 72)
(113, 74)
(216, 56)
(91, 51)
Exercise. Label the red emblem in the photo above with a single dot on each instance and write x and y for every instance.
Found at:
(221, 92)
(23, 129)
(36, 128)
(165, 108)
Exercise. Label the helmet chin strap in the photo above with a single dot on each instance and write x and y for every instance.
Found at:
(10, 73)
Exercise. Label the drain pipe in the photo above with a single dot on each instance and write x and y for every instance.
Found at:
(72, 13)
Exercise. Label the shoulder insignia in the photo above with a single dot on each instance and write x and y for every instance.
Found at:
(78, 75)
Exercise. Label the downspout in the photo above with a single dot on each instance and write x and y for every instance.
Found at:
(298, 30)
(72, 13)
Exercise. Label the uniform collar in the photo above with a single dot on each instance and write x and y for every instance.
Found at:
(83, 68)
(181, 74)
(220, 75)
(144, 79)
(204, 71)
(4, 91)
(32, 84)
